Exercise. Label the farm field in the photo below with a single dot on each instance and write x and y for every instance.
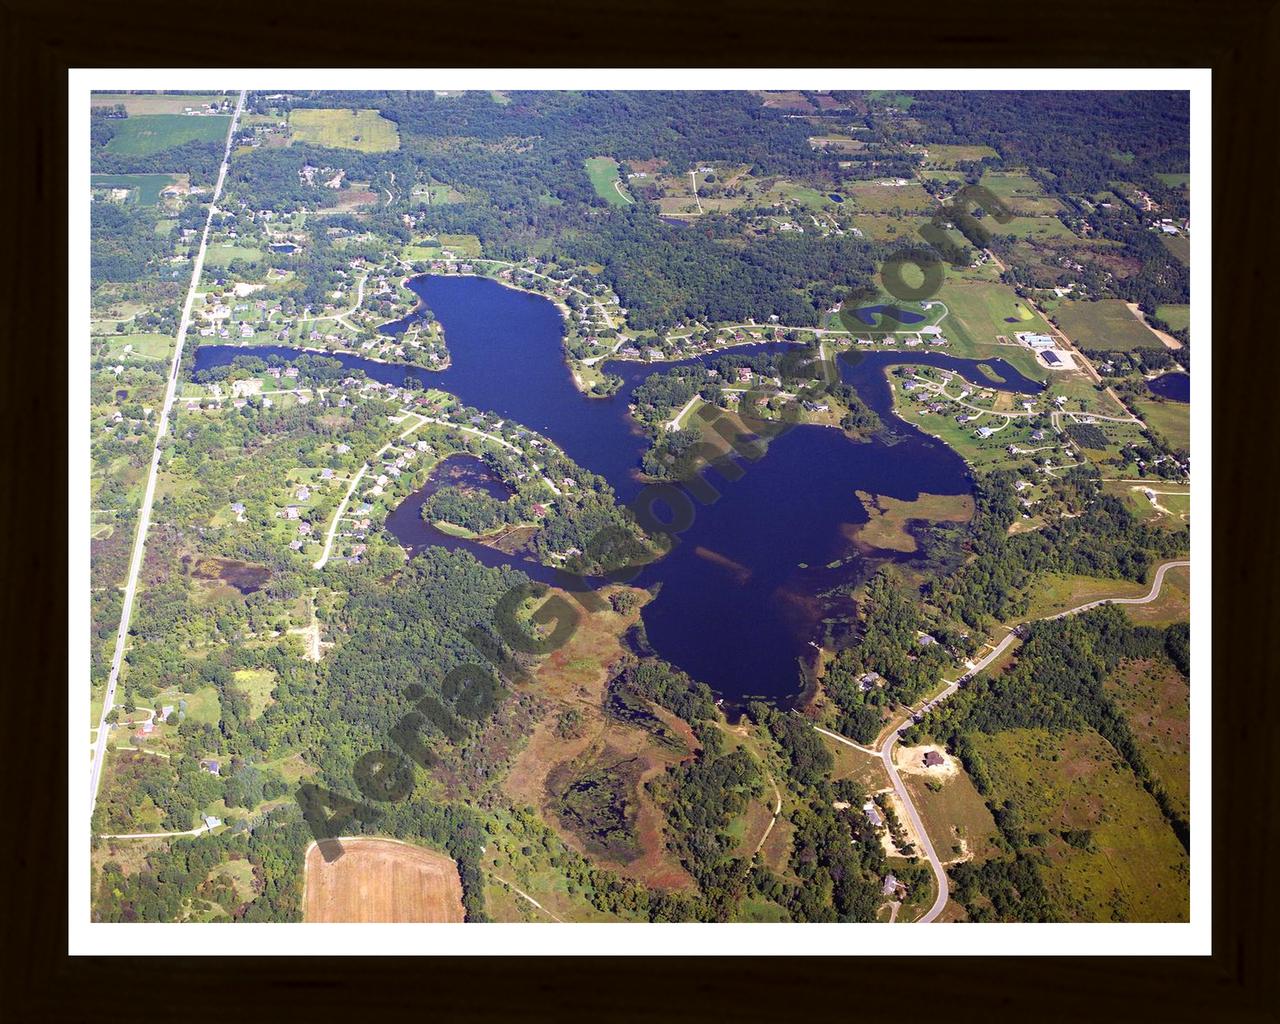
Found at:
(1172, 419)
(869, 197)
(136, 104)
(1106, 325)
(383, 881)
(1020, 192)
(1177, 317)
(363, 130)
(603, 172)
(147, 186)
(1131, 866)
(152, 133)
(947, 156)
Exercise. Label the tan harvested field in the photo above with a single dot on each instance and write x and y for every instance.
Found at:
(382, 881)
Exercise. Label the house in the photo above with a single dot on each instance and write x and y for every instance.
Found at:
(890, 887)
(932, 759)
(211, 766)
(985, 431)
(290, 513)
(237, 507)
(304, 529)
(210, 822)
(303, 492)
(873, 814)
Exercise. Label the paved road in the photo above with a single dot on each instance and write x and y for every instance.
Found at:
(144, 514)
(886, 749)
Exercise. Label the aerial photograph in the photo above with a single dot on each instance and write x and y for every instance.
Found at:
(588, 506)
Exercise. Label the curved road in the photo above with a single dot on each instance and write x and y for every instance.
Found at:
(886, 749)
(144, 512)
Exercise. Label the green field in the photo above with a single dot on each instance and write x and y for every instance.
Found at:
(144, 346)
(257, 684)
(949, 156)
(221, 255)
(1175, 180)
(146, 187)
(869, 197)
(1177, 317)
(363, 130)
(151, 133)
(136, 104)
(1133, 868)
(1022, 193)
(1155, 699)
(1106, 325)
(603, 172)
(1172, 419)
(1180, 246)
(979, 312)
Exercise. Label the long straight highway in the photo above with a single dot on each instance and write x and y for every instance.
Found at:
(144, 513)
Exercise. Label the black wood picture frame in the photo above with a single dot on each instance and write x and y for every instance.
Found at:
(1237, 39)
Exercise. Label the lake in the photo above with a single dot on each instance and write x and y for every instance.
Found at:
(738, 597)
(285, 247)
(867, 314)
(1174, 386)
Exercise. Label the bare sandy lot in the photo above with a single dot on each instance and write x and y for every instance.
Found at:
(911, 761)
(382, 881)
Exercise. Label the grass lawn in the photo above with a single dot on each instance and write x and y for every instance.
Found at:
(203, 706)
(1175, 180)
(603, 172)
(146, 187)
(151, 133)
(363, 130)
(1105, 325)
(1132, 868)
(144, 346)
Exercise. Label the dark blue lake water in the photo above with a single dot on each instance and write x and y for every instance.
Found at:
(867, 314)
(283, 247)
(1174, 386)
(836, 198)
(739, 594)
